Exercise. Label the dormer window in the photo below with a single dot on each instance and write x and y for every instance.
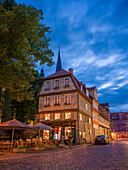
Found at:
(87, 92)
(47, 85)
(66, 84)
(81, 87)
(56, 84)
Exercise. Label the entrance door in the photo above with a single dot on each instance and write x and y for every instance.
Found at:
(67, 132)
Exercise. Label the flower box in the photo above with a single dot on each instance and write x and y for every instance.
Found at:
(62, 145)
(39, 148)
(16, 150)
(57, 104)
(51, 146)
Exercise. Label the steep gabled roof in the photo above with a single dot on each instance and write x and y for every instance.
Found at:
(64, 73)
(58, 74)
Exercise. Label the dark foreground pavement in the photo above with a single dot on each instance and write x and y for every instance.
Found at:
(112, 156)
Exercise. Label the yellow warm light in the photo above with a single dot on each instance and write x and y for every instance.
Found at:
(112, 134)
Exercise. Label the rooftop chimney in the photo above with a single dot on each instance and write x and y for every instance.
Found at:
(70, 70)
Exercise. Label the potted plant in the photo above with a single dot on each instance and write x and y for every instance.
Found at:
(19, 149)
(62, 144)
(52, 145)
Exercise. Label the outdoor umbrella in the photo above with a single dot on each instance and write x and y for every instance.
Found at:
(14, 124)
(41, 126)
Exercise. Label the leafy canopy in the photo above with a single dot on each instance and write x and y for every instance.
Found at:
(23, 44)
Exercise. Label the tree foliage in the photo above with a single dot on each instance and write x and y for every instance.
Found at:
(25, 110)
(23, 44)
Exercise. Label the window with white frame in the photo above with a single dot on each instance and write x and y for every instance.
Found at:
(90, 120)
(56, 84)
(67, 98)
(67, 115)
(87, 92)
(47, 116)
(47, 85)
(56, 100)
(80, 116)
(95, 105)
(57, 116)
(86, 106)
(47, 101)
(66, 84)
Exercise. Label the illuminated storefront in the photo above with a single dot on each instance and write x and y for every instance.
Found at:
(46, 134)
(57, 134)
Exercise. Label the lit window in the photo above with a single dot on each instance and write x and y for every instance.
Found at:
(80, 116)
(57, 116)
(47, 101)
(56, 84)
(90, 120)
(67, 115)
(47, 86)
(67, 98)
(86, 106)
(56, 100)
(47, 116)
(66, 82)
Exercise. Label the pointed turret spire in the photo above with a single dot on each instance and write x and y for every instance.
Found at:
(42, 72)
(59, 65)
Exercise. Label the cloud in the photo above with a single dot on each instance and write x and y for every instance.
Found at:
(93, 38)
(105, 85)
(103, 28)
(121, 107)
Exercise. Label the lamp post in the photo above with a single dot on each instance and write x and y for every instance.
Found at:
(1, 102)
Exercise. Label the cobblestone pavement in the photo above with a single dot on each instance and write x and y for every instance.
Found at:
(112, 156)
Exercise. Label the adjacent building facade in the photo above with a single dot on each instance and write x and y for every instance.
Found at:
(95, 111)
(104, 119)
(119, 125)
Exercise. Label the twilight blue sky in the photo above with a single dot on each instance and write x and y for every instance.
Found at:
(93, 36)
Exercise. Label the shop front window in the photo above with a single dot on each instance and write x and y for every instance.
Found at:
(57, 133)
(46, 134)
(67, 132)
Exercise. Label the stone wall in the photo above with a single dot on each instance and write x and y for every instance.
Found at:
(83, 107)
